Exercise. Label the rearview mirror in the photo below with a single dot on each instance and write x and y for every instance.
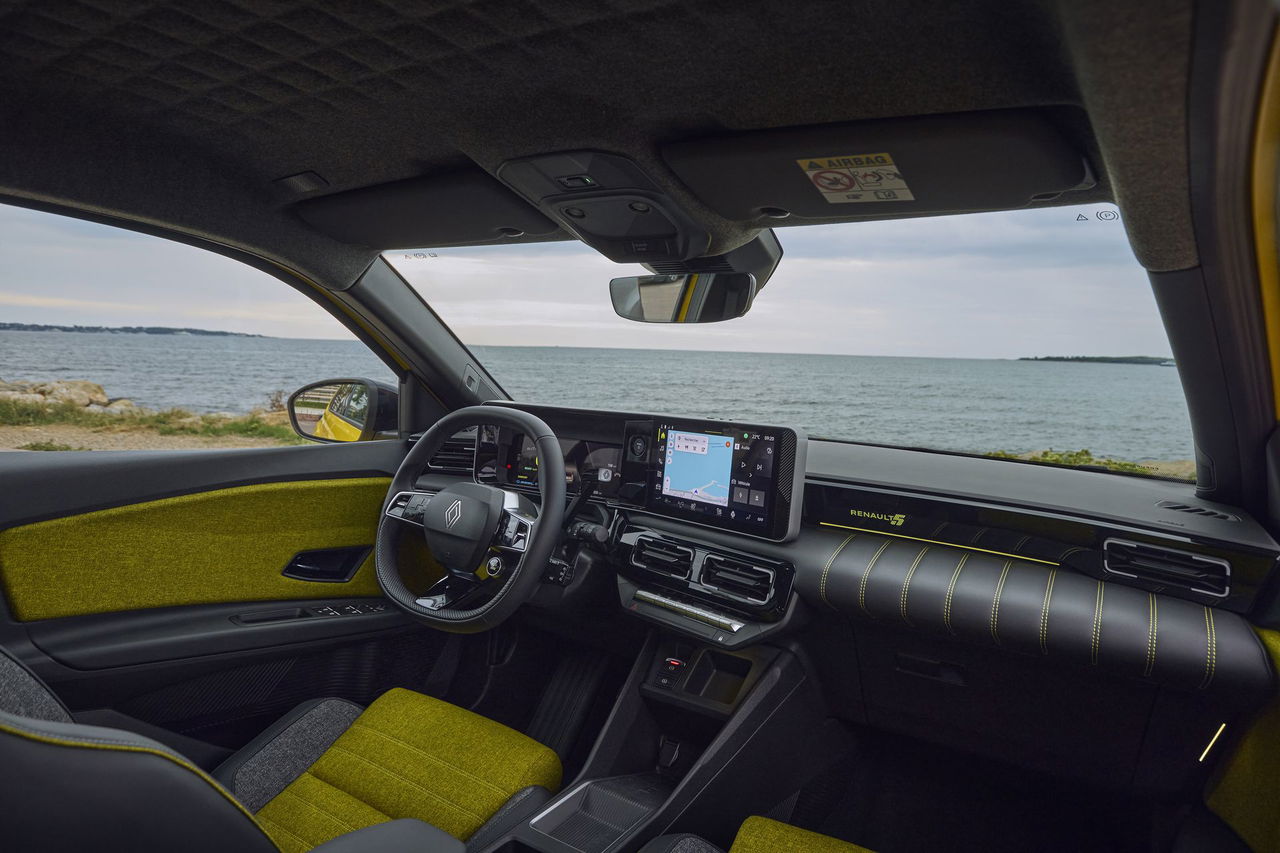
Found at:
(695, 298)
(344, 410)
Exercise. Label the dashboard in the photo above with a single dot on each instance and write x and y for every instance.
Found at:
(924, 584)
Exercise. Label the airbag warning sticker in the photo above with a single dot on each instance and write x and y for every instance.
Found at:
(857, 178)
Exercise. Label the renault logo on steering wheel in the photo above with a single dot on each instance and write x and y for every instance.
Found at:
(453, 514)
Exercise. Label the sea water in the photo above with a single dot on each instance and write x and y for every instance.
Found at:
(1129, 411)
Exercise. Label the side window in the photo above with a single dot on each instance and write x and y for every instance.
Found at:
(114, 340)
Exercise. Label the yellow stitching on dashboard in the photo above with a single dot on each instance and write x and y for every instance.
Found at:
(1096, 638)
(906, 583)
(977, 536)
(1044, 613)
(822, 584)
(939, 528)
(1213, 626)
(951, 591)
(1210, 648)
(1153, 621)
(862, 585)
(995, 602)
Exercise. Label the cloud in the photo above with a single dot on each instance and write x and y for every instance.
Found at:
(999, 285)
(994, 285)
(70, 272)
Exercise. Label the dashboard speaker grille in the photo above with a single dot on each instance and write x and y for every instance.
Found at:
(785, 472)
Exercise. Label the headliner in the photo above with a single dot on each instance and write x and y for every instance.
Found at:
(182, 114)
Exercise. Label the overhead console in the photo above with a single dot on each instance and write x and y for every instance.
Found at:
(608, 203)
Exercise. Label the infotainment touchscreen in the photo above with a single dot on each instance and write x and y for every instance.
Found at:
(732, 476)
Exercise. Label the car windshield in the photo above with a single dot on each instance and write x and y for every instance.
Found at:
(1029, 334)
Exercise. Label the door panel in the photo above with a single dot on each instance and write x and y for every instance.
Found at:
(212, 546)
(153, 583)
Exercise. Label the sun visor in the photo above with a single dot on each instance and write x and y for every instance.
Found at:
(914, 166)
(455, 209)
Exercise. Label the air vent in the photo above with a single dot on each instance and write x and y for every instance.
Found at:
(457, 455)
(738, 579)
(1198, 510)
(658, 555)
(1167, 567)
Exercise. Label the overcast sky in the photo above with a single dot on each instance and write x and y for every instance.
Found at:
(998, 285)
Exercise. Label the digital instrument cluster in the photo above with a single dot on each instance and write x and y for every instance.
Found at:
(511, 460)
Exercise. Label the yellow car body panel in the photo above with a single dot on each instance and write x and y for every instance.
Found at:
(333, 427)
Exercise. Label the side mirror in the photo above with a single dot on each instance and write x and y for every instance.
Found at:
(696, 298)
(344, 410)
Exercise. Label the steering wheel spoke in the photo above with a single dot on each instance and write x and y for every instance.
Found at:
(409, 507)
(449, 591)
(515, 531)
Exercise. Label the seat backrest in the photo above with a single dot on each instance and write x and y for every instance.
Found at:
(67, 786)
(23, 694)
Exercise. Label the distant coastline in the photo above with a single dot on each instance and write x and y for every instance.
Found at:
(122, 330)
(1104, 359)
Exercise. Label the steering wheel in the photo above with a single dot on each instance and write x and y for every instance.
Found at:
(494, 544)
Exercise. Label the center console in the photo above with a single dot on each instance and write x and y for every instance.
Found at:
(672, 749)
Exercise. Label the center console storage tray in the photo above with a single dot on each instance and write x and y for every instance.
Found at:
(598, 814)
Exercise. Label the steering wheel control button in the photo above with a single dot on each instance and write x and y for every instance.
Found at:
(514, 533)
(409, 506)
(494, 567)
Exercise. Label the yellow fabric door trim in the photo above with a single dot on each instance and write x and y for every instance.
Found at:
(409, 755)
(761, 835)
(1244, 795)
(216, 546)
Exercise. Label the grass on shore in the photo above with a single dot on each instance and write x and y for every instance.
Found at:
(48, 445)
(168, 422)
(1077, 458)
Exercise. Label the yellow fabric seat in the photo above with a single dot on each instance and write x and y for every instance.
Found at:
(761, 835)
(409, 755)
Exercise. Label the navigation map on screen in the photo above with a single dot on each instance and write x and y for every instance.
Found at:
(698, 467)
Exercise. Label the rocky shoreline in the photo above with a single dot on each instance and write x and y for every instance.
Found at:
(93, 398)
(76, 392)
